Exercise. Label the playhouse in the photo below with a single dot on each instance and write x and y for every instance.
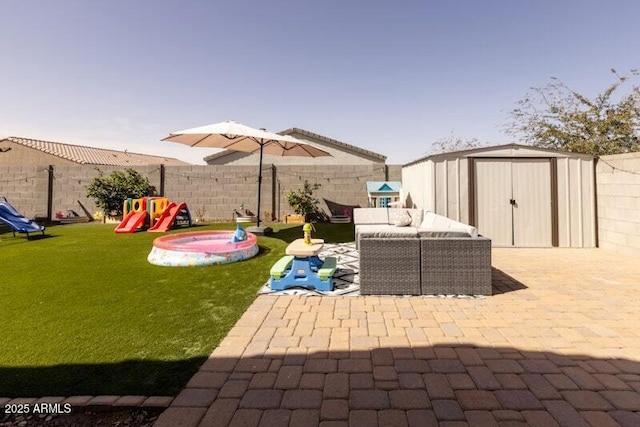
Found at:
(382, 193)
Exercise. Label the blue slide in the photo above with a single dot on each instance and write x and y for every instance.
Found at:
(10, 216)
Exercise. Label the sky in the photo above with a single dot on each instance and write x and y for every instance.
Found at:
(391, 77)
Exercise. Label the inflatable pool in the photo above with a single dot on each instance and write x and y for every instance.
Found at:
(201, 248)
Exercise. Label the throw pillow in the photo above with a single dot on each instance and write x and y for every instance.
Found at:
(402, 220)
(416, 218)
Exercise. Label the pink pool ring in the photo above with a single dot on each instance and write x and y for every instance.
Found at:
(201, 248)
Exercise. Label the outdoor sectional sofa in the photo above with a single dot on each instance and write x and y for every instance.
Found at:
(415, 252)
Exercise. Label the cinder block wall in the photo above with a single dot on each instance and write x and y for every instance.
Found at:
(212, 192)
(394, 173)
(26, 188)
(618, 196)
(341, 186)
(70, 184)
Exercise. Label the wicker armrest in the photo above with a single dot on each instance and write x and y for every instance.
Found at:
(455, 266)
(389, 266)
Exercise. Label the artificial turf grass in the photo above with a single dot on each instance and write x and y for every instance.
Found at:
(83, 312)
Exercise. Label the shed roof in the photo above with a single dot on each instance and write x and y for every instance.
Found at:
(506, 150)
(94, 156)
(383, 186)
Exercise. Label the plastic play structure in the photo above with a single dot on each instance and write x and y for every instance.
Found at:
(203, 248)
(16, 221)
(302, 267)
(156, 213)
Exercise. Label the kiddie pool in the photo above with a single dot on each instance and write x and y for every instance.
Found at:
(201, 248)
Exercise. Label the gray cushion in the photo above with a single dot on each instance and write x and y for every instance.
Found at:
(385, 231)
(426, 232)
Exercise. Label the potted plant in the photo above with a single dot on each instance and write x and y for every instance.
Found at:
(302, 202)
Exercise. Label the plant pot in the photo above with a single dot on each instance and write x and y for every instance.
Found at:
(113, 219)
(245, 219)
(294, 219)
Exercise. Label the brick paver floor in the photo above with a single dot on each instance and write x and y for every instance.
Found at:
(557, 344)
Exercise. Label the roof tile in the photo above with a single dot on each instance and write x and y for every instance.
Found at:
(94, 156)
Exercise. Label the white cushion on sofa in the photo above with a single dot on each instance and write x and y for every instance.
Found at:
(416, 217)
(370, 216)
(399, 217)
(438, 225)
(427, 220)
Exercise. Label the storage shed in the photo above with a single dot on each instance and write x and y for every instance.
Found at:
(517, 195)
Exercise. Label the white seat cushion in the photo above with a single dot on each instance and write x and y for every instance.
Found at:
(370, 216)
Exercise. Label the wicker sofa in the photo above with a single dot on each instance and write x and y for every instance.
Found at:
(414, 252)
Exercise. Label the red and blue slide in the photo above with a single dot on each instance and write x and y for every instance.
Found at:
(16, 221)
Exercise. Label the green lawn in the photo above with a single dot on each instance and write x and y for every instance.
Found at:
(83, 312)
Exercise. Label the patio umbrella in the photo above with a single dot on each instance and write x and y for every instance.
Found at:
(239, 137)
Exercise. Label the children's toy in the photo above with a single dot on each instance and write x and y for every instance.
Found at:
(173, 214)
(201, 248)
(156, 206)
(301, 267)
(158, 213)
(14, 219)
(135, 215)
(306, 228)
(240, 235)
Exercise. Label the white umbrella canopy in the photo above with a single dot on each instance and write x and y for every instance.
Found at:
(238, 137)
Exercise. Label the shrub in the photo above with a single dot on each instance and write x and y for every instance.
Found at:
(302, 201)
(110, 191)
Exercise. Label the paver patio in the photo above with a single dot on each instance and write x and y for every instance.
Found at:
(557, 344)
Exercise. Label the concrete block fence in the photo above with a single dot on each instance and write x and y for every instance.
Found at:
(618, 197)
(212, 192)
(27, 188)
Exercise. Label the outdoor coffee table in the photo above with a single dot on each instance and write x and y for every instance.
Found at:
(302, 267)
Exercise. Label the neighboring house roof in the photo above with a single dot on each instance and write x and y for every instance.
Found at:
(328, 141)
(513, 150)
(333, 142)
(383, 187)
(94, 156)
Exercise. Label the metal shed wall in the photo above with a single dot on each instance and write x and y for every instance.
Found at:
(444, 184)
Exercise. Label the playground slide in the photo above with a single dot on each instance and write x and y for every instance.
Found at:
(168, 217)
(131, 222)
(10, 216)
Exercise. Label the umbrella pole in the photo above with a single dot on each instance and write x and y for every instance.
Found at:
(259, 185)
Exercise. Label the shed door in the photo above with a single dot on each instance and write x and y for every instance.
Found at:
(493, 187)
(513, 201)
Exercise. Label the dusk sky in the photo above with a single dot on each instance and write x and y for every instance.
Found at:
(390, 77)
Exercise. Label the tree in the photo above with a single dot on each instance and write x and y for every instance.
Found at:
(558, 117)
(302, 201)
(454, 143)
(111, 191)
